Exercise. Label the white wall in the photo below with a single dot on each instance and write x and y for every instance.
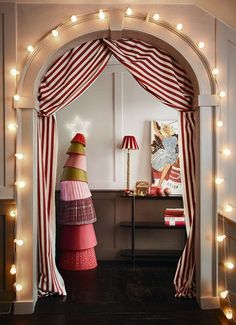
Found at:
(115, 105)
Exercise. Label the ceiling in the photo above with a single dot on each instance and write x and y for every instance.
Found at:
(223, 10)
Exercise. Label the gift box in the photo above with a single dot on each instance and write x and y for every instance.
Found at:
(174, 221)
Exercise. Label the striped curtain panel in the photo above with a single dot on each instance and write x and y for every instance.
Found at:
(158, 73)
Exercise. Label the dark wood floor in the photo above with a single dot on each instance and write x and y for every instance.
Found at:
(115, 293)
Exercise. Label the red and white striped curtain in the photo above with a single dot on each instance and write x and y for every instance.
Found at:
(158, 73)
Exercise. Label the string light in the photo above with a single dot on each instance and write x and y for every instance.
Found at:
(73, 18)
(19, 242)
(224, 294)
(129, 12)
(220, 238)
(30, 48)
(16, 97)
(228, 207)
(18, 286)
(201, 45)
(179, 26)
(219, 180)
(229, 314)
(14, 72)
(226, 152)
(12, 127)
(219, 124)
(156, 16)
(19, 156)
(20, 184)
(13, 213)
(55, 33)
(13, 269)
(222, 94)
(229, 265)
(101, 14)
(215, 71)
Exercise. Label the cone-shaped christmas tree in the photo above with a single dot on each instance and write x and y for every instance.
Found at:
(77, 214)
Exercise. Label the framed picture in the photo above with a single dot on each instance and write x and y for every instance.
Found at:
(165, 156)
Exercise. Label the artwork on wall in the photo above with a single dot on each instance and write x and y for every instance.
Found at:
(165, 156)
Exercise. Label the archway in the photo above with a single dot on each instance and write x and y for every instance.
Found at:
(160, 35)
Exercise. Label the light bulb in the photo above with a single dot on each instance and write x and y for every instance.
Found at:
(226, 152)
(215, 71)
(19, 156)
(73, 18)
(18, 286)
(222, 94)
(16, 97)
(229, 265)
(14, 72)
(13, 269)
(30, 48)
(101, 14)
(220, 238)
(12, 127)
(179, 26)
(19, 242)
(223, 294)
(219, 180)
(219, 124)
(228, 208)
(55, 33)
(20, 184)
(156, 16)
(129, 11)
(13, 213)
(201, 45)
(229, 314)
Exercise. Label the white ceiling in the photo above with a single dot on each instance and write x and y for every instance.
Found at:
(225, 10)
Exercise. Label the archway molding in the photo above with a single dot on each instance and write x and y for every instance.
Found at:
(159, 34)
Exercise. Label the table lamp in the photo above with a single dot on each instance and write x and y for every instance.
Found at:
(129, 142)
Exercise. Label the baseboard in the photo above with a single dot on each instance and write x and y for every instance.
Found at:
(209, 302)
(24, 307)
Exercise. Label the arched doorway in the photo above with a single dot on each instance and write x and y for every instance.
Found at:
(198, 70)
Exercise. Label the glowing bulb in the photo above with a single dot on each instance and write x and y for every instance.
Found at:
(73, 18)
(223, 294)
(30, 48)
(179, 26)
(222, 94)
(215, 71)
(129, 11)
(219, 124)
(14, 72)
(229, 314)
(219, 180)
(13, 213)
(55, 33)
(18, 286)
(101, 14)
(156, 16)
(12, 127)
(20, 184)
(226, 152)
(16, 97)
(220, 238)
(13, 269)
(228, 208)
(19, 242)
(201, 45)
(19, 156)
(229, 265)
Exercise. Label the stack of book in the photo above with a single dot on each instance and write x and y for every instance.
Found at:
(174, 217)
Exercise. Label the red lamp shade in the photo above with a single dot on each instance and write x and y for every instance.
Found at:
(129, 142)
(79, 138)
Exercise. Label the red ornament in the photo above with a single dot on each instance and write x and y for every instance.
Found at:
(167, 191)
(159, 191)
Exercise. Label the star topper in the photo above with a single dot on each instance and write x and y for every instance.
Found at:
(78, 126)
